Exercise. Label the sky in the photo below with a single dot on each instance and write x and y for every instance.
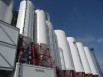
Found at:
(81, 19)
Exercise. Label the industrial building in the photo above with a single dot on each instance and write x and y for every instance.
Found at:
(30, 47)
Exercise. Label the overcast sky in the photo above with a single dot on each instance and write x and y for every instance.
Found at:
(82, 19)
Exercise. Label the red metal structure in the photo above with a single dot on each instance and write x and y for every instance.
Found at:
(72, 73)
(43, 57)
(95, 76)
(78, 74)
(34, 54)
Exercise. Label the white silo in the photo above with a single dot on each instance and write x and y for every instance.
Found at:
(96, 62)
(76, 57)
(59, 59)
(63, 47)
(41, 36)
(91, 62)
(84, 59)
(51, 39)
(25, 18)
(6, 8)
(40, 30)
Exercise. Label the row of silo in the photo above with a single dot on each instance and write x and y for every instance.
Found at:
(34, 25)
(71, 58)
(76, 58)
(79, 57)
(64, 52)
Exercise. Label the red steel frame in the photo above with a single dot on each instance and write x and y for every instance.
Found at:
(95, 76)
(80, 74)
(41, 52)
(72, 73)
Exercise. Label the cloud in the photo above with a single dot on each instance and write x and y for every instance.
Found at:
(86, 39)
(100, 40)
(90, 39)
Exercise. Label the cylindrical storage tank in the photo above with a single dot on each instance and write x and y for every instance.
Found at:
(83, 58)
(41, 37)
(25, 18)
(76, 57)
(6, 8)
(63, 47)
(51, 39)
(96, 62)
(40, 30)
(59, 61)
(91, 62)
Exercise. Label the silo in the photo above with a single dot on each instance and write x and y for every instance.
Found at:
(41, 37)
(96, 62)
(63, 47)
(6, 8)
(59, 61)
(25, 18)
(76, 57)
(51, 39)
(84, 60)
(91, 62)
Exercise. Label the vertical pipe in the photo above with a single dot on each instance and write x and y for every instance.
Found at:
(17, 70)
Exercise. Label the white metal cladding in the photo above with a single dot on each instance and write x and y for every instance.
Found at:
(75, 55)
(6, 11)
(8, 45)
(7, 56)
(63, 46)
(9, 14)
(51, 39)
(26, 18)
(8, 33)
(83, 58)
(40, 30)
(32, 71)
(91, 62)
